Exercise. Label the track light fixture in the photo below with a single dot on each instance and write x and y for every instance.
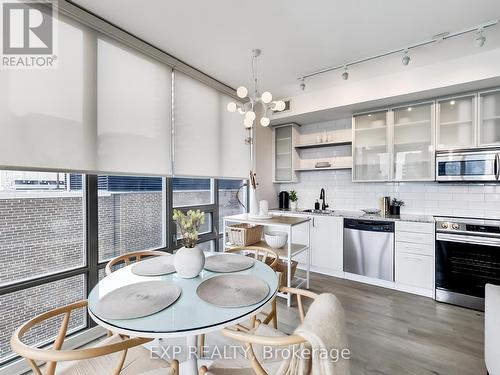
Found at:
(406, 57)
(480, 38)
(302, 84)
(345, 74)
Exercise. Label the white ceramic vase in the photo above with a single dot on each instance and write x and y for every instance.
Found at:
(254, 206)
(189, 262)
(293, 205)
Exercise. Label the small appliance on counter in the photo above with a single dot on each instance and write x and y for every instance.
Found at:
(467, 258)
(284, 199)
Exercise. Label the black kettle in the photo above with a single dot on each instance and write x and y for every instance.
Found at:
(284, 198)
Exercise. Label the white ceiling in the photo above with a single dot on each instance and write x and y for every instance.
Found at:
(298, 36)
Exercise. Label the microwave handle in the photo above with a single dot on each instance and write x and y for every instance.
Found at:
(497, 166)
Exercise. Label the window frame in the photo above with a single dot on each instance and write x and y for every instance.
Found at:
(90, 270)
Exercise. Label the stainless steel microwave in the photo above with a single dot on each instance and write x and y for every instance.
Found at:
(469, 165)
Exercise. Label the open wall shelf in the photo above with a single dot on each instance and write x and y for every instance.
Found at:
(324, 144)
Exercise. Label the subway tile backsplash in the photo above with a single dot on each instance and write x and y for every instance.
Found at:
(431, 198)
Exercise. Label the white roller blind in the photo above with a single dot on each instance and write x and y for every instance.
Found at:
(209, 141)
(48, 117)
(235, 154)
(134, 111)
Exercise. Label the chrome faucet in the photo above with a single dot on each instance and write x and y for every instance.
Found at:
(324, 206)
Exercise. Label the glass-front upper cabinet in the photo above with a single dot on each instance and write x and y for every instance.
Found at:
(489, 118)
(283, 153)
(413, 137)
(456, 122)
(371, 156)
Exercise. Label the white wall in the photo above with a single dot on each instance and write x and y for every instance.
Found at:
(263, 163)
(472, 200)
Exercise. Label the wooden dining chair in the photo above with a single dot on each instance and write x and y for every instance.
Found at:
(271, 258)
(259, 335)
(114, 355)
(131, 257)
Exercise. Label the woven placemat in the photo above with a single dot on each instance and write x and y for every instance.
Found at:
(233, 290)
(137, 300)
(154, 266)
(228, 263)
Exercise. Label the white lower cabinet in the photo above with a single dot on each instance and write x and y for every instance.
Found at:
(414, 252)
(327, 239)
(415, 270)
(414, 257)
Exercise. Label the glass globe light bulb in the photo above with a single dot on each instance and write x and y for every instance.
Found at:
(248, 123)
(266, 97)
(231, 107)
(265, 121)
(242, 92)
(250, 115)
(280, 105)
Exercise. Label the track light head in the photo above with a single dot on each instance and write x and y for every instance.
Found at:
(302, 84)
(480, 38)
(406, 58)
(345, 74)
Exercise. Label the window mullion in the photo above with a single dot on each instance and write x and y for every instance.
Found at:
(92, 234)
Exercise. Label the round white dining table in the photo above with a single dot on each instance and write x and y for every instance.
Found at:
(189, 316)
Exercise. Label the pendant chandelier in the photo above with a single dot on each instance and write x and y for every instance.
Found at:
(265, 100)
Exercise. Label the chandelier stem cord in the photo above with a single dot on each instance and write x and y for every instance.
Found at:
(254, 73)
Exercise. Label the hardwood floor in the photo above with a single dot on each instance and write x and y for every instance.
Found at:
(396, 333)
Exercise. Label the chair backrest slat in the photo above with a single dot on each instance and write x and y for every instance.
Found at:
(51, 366)
(128, 257)
(261, 254)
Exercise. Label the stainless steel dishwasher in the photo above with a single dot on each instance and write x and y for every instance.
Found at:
(369, 248)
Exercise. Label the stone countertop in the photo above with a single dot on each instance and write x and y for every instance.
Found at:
(288, 221)
(358, 214)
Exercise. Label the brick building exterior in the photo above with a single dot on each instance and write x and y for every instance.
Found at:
(43, 233)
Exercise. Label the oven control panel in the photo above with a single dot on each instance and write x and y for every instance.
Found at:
(468, 226)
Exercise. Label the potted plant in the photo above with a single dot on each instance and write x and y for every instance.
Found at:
(396, 205)
(189, 260)
(293, 200)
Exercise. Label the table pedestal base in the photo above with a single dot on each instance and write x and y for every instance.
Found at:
(191, 366)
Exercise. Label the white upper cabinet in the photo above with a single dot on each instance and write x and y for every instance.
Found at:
(489, 118)
(371, 157)
(284, 153)
(413, 140)
(456, 122)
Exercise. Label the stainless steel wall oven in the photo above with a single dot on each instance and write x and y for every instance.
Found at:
(467, 257)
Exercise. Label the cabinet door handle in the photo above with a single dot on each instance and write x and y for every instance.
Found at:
(497, 166)
(314, 223)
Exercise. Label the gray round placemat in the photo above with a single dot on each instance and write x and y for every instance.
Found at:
(137, 300)
(154, 266)
(228, 263)
(233, 290)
